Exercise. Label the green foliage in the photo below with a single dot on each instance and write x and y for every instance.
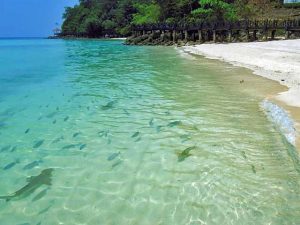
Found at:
(96, 18)
(146, 13)
(215, 10)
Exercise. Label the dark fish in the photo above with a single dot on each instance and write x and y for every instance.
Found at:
(27, 131)
(5, 148)
(34, 182)
(175, 123)
(185, 137)
(135, 134)
(41, 117)
(57, 108)
(151, 122)
(11, 165)
(51, 115)
(13, 149)
(54, 122)
(253, 169)
(38, 143)
(244, 154)
(113, 156)
(76, 134)
(137, 140)
(66, 118)
(103, 133)
(185, 154)
(109, 105)
(82, 146)
(126, 112)
(116, 163)
(158, 128)
(69, 146)
(40, 195)
(88, 108)
(32, 165)
(45, 210)
(58, 140)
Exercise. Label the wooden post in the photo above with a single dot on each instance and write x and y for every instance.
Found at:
(247, 34)
(255, 35)
(144, 32)
(266, 35)
(200, 35)
(230, 35)
(287, 34)
(214, 36)
(273, 34)
(174, 36)
(186, 35)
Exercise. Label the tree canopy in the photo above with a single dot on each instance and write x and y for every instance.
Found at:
(95, 18)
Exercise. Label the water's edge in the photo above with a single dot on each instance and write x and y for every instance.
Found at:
(278, 115)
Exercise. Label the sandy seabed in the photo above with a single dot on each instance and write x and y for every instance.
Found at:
(275, 60)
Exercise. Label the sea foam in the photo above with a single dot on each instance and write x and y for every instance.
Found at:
(281, 119)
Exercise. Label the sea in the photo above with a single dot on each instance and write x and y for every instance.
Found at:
(95, 132)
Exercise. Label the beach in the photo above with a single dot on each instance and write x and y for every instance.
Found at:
(275, 60)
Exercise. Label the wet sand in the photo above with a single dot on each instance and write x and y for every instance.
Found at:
(275, 60)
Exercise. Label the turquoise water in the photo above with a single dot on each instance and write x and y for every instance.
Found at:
(114, 134)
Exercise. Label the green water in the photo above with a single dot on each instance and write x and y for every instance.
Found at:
(113, 122)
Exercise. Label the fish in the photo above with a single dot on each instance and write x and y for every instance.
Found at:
(5, 148)
(137, 140)
(38, 143)
(41, 117)
(135, 134)
(253, 169)
(51, 115)
(158, 128)
(54, 122)
(116, 163)
(88, 108)
(58, 140)
(174, 124)
(11, 165)
(109, 105)
(14, 149)
(76, 134)
(185, 153)
(27, 131)
(40, 195)
(32, 164)
(57, 108)
(126, 112)
(185, 137)
(69, 146)
(44, 210)
(103, 133)
(244, 154)
(66, 118)
(33, 183)
(151, 122)
(113, 156)
(82, 146)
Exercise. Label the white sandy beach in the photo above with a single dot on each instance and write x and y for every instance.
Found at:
(276, 60)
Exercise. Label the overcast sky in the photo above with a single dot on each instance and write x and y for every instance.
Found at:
(31, 18)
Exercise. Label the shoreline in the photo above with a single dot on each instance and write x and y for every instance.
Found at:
(275, 60)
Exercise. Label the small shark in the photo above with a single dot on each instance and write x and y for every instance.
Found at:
(34, 182)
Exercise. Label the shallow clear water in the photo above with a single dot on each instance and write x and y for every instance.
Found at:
(113, 122)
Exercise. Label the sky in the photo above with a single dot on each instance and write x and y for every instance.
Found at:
(31, 18)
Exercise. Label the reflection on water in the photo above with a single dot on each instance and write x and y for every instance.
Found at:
(113, 134)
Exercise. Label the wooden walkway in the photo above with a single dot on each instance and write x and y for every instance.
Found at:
(224, 31)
